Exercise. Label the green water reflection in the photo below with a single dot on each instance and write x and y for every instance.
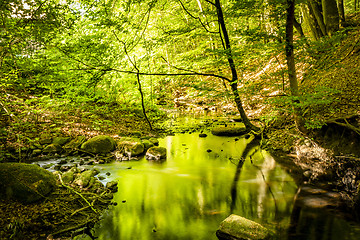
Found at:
(190, 194)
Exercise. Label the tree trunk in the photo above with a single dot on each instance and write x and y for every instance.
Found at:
(311, 22)
(234, 79)
(331, 16)
(341, 12)
(290, 61)
(355, 5)
(316, 11)
(299, 29)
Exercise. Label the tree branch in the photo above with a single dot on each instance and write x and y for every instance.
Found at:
(210, 2)
(197, 18)
(195, 73)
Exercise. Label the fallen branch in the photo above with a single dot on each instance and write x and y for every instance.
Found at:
(73, 227)
(349, 158)
(346, 125)
(71, 189)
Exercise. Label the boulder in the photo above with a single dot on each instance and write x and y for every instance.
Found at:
(155, 141)
(147, 144)
(236, 227)
(131, 148)
(26, 183)
(52, 148)
(156, 154)
(61, 140)
(229, 131)
(99, 144)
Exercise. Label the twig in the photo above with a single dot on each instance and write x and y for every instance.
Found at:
(78, 210)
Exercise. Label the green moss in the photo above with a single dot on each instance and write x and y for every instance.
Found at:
(99, 144)
(25, 182)
(242, 228)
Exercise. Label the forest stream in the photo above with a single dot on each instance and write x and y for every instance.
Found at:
(200, 184)
(204, 180)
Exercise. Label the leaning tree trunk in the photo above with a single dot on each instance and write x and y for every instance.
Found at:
(234, 79)
(290, 61)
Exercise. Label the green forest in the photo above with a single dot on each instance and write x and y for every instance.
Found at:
(74, 70)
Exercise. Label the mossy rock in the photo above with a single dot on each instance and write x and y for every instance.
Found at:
(84, 179)
(131, 148)
(229, 131)
(61, 140)
(26, 183)
(147, 144)
(155, 141)
(156, 154)
(236, 227)
(52, 148)
(99, 144)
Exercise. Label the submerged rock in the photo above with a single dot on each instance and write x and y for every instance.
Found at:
(99, 144)
(112, 186)
(156, 154)
(236, 227)
(229, 131)
(26, 183)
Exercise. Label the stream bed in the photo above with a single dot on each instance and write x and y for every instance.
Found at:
(188, 195)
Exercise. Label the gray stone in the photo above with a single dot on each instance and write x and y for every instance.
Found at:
(99, 144)
(237, 227)
(26, 183)
(156, 154)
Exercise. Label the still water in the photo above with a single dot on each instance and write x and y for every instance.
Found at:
(187, 196)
